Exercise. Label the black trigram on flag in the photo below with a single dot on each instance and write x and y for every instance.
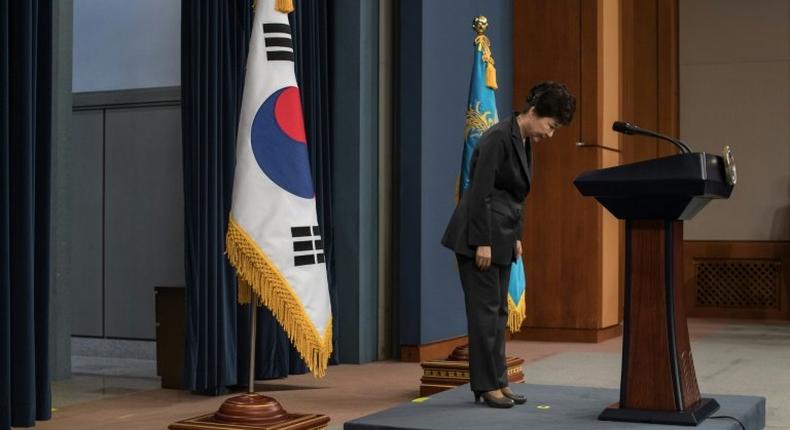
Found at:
(279, 46)
(308, 246)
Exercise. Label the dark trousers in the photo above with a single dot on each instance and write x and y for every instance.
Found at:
(485, 293)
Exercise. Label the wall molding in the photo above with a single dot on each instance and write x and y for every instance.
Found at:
(548, 334)
(137, 97)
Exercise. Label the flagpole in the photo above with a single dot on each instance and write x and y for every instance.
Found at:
(253, 326)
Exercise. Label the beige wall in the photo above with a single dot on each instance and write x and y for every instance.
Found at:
(735, 90)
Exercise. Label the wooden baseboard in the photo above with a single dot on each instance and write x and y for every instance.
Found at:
(542, 334)
(737, 279)
(431, 351)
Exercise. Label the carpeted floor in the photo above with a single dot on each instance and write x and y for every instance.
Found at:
(550, 407)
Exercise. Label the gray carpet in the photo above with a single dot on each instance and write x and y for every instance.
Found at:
(550, 407)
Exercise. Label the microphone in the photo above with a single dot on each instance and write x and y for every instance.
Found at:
(630, 129)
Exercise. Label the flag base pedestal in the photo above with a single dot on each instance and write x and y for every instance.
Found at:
(252, 411)
(441, 375)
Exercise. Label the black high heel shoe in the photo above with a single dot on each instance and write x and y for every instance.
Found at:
(502, 402)
(516, 398)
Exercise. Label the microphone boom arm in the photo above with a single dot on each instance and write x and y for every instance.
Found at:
(628, 128)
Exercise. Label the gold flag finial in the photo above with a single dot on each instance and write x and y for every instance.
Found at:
(284, 6)
(480, 25)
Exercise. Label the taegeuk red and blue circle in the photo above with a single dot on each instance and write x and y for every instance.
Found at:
(279, 143)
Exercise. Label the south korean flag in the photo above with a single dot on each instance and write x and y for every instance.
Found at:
(273, 237)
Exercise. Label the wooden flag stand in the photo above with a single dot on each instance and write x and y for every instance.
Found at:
(441, 375)
(252, 411)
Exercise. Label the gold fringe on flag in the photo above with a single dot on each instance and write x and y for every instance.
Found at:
(284, 6)
(483, 44)
(261, 276)
(516, 313)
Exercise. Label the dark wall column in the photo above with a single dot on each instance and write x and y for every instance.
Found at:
(355, 194)
(59, 297)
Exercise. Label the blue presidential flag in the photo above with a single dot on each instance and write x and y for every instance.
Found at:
(481, 111)
(273, 239)
(481, 114)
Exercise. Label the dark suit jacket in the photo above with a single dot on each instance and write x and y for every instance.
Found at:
(489, 212)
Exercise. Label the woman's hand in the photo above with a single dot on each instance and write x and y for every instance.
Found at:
(483, 257)
(518, 249)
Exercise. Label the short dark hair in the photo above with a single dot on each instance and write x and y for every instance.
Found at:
(552, 99)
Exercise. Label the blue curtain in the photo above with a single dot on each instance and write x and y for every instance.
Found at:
(215, 36)
(214, 39)
(25, 114)
(312, 42)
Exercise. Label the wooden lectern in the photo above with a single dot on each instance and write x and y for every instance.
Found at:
(658, 383)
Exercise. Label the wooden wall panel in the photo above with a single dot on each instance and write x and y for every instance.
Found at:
(609, 83)
(668, 73)
(560, 226)
(565, 233)
(741, 279)
(650, 75)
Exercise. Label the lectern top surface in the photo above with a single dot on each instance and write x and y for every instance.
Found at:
(691, 175)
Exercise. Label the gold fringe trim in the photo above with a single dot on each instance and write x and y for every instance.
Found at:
(284, 6)
(262, 276)
(484, 45)
(516, 313)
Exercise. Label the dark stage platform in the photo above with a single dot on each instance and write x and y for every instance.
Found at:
(550, 407)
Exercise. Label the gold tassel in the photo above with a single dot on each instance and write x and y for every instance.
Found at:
(484, 45)
(284, 6)
(516, 313)
(491, 75)
(271, 287)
